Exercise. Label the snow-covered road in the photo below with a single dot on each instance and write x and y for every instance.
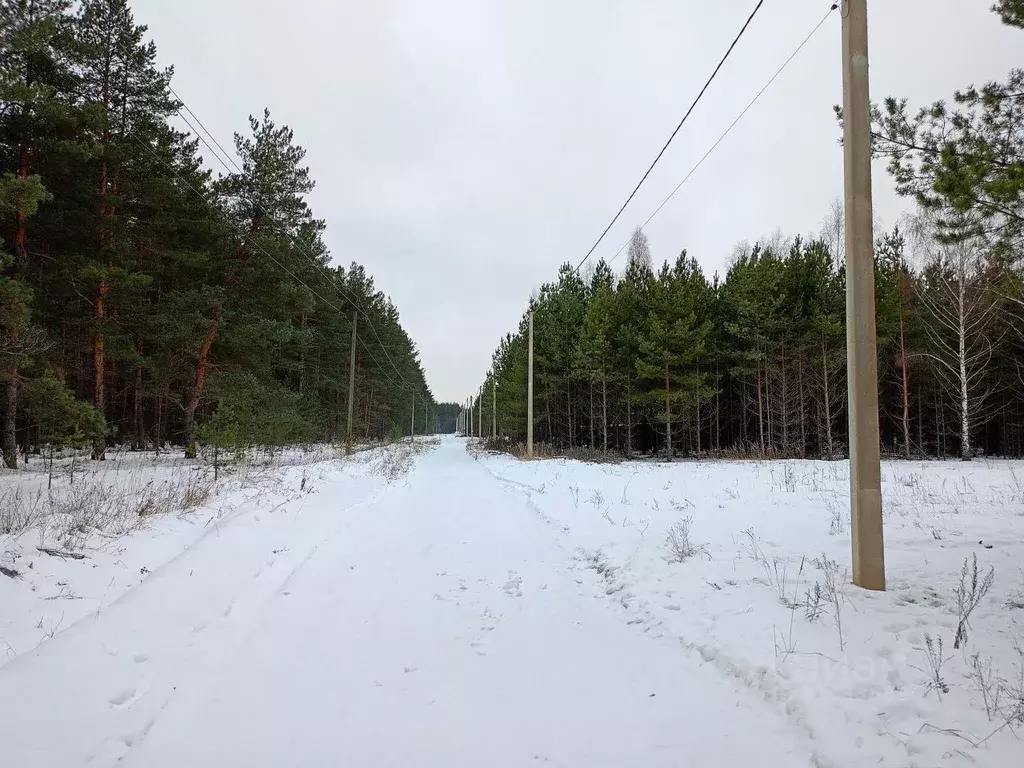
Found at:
(441, 620)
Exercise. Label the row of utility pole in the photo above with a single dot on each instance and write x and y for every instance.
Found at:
(473, 414)
(861, 345)
(352, 394)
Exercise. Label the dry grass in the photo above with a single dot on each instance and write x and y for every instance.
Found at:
(97, 503)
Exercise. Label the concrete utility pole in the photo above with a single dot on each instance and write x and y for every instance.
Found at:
(862, 358)
(494, 409)
(351, 381)
(529, 397)
(412, 423)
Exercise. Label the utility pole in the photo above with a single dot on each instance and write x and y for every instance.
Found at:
(861, 352)
(351, 382)
(480, 409)
(494, 409)
(412, 423)
(529, 397)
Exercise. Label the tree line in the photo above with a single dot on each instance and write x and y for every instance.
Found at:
(145, 300)
(663, 359)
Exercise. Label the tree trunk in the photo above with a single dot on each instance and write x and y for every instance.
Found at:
(905, 387)
(718, 411)
(20, 254)
(593, 434)
(98, 343)
(745, 414)
(920, 422)
(629, 419)
(568, 405)
(202, 362)
(828, 398)
(769, 424)
(965, 416)
(202, 366)
(698, 429)
(784, 397)
(99, 399)
(803, 400)
(668, 416)
(760, 408)
(604, 410)
(547, 409)
(140, 437)
(10, 441)
(158, 434)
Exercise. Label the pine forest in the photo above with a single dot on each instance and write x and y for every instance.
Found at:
(145, 300)
(665, 359)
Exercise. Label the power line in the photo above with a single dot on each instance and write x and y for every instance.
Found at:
(259, 247)
(207, 130)
(728, 130)
(696, 101)
(302, 247)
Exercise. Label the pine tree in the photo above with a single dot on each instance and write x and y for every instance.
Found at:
(126, 97)
(594, 353)
(673, 342)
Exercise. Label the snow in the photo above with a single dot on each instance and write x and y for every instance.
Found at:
(433, 606)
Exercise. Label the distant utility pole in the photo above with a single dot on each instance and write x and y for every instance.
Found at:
(351, 381)
(412, 424)
(861, 352)
(494, 409)
(529, 397)
(480, 425)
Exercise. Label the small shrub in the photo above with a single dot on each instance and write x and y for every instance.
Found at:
(832, 589)
(814, 603)
(574, 491)
(935, 660)
(679, 544)
(980, 674)
(1012, 693)
(969, 592)
(837, 517)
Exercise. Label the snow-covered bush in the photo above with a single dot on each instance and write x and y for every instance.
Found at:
(679, 544)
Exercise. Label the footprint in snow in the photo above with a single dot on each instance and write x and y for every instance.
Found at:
(514, 586)
(125, 698)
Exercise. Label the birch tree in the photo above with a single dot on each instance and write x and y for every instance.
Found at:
(960, 310)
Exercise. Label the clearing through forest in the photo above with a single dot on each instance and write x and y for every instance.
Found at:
(448, 608)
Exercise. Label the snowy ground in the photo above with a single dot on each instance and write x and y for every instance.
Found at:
(444, 608)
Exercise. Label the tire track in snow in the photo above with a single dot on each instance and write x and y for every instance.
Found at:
(782, 698)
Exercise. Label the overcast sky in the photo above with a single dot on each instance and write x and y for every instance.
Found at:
(463, 149)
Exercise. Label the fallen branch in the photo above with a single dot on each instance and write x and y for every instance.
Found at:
(61, 553)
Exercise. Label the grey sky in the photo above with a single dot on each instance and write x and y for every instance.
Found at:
(463, 149)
